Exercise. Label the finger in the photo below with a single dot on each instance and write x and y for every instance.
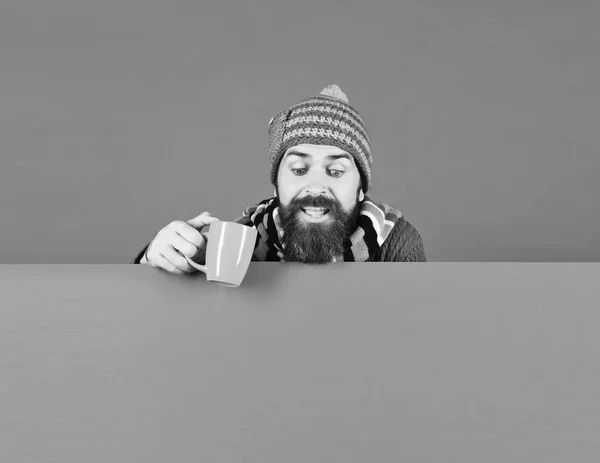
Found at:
(190, 235)
(182, 245)
(177, 260)
(202, 220)
(162, 262)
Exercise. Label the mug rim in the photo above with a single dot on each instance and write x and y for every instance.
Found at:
(206, 229)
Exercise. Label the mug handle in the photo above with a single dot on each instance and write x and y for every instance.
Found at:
(204, 232)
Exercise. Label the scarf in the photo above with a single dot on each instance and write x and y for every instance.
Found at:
(375, 222)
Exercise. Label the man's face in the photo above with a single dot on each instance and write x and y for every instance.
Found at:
(319, 191)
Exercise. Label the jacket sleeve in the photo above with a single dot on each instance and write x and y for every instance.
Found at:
(138, 258)
(404, 244)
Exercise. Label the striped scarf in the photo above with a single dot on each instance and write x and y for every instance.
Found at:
(375, 223)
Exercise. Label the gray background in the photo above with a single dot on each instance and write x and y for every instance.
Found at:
(117, 117)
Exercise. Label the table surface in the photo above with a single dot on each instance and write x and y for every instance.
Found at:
(346, 362)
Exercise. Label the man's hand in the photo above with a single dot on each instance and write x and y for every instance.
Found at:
(176, 240)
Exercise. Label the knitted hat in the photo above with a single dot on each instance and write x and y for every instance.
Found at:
(323, 119)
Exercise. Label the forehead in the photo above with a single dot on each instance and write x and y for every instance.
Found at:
(317, 152)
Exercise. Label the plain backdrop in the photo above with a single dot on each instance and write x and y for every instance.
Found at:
(117, 117)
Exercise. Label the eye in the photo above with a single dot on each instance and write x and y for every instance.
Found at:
(340, 172)
(296, 170)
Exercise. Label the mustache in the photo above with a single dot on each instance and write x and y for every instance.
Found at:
(319, 201)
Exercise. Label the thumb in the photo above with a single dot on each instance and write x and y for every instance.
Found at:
(202, 220)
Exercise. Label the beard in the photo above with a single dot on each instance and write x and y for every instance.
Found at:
(316, 243)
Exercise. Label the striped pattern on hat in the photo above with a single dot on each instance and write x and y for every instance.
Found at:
(323, 119)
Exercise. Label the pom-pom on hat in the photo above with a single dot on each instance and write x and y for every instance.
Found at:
(323, 119)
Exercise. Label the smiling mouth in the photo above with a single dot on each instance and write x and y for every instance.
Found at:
(315, 212)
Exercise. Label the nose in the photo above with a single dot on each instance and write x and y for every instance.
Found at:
(316, 190)
(317, 184)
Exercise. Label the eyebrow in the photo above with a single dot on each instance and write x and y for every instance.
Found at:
(329, 156)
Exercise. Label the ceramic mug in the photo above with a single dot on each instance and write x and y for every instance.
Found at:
(229, 249)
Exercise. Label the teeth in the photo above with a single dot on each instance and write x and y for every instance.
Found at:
(315, 212)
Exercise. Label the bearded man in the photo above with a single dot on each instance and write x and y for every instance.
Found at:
(320, 165)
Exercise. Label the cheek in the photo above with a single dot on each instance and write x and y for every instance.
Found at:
(348, 197)
(289, 185)
(286, 192)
